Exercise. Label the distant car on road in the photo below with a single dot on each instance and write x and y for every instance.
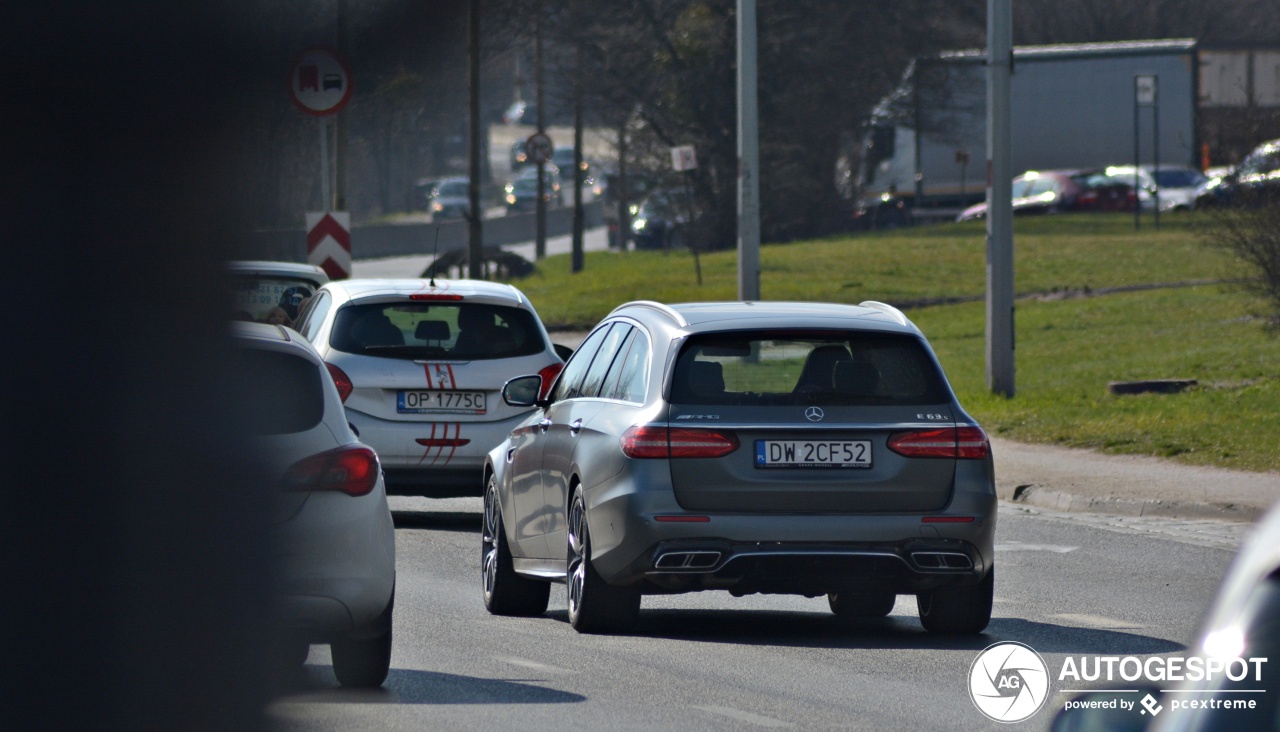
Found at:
(335, 560)
(451, 199)
(521, 194)
(661, 220)
(420, 365)
(795, 448)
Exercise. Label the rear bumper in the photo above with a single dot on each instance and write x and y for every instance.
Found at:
(807, 568)
(334, 567)
(792, 553)
(418, 459)
(453, 482)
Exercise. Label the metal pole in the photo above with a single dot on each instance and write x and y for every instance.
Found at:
(342, 124)
(576, 256)
(1000, 324)
(325, 195)
(1137, 183)
(475, 249)
(1155, 146)
(540, 205)
(748, 156)
(623, 198)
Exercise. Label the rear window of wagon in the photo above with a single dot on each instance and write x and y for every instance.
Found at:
(784, 368)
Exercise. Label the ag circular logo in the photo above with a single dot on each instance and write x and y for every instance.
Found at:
(1008, 682)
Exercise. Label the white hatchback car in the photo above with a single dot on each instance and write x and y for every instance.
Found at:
(420, 365)
(335, 561)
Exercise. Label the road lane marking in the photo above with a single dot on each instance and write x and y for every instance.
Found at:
(544, 667)
(1017, 546)
(1096, 621)
(742, 716)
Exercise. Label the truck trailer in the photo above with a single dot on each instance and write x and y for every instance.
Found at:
(1072, 107)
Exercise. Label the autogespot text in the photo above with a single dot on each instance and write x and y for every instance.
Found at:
(1157, 668)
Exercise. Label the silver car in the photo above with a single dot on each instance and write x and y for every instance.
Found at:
(335, 560)
(796, 448)
(420, 366)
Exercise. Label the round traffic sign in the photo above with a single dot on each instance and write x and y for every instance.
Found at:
(320, 81)
(539, 147)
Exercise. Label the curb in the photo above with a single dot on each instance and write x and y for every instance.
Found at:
(1033, 495)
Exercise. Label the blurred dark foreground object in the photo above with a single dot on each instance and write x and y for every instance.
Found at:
(133, 536)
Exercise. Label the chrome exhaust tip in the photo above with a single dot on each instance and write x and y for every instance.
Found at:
(687, 560)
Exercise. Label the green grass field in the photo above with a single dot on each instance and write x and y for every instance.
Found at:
(1098, 302)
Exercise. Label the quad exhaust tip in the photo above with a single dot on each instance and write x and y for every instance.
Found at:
(942, 560)
(687, 560)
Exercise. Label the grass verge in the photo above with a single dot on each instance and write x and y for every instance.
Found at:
(1071, 341)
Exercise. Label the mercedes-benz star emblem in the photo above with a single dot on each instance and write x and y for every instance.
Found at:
(813, 414)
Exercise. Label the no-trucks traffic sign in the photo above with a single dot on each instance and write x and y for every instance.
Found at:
(320, 81)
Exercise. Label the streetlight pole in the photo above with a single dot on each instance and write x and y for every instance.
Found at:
(475, 250)
(748, 156)
(540, 206)
(999, 199)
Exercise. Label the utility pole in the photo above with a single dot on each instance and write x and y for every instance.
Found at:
(343, 123)
(540, 206)
(576, 258)
(475, 250)
(1000, 332)
(748, 156)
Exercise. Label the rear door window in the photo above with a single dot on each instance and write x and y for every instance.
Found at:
(627, 378)
(431, 330)
(795, 369)
(570, 381)
(279, 393)
(609, 348)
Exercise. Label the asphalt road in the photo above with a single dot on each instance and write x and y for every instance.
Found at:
(1067, 584)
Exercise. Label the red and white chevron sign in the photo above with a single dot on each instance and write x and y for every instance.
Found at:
(329, 242)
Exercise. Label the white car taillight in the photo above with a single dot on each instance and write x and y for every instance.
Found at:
(352, 470)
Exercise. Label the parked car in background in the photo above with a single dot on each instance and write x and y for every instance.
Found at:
(1174, 186)
(271, 292)
(451, 199)
(796, 448)
(1055, 191)
(1254, 182)
(420, 365)
(1177, 185)
(1243, 623)
(334, 563)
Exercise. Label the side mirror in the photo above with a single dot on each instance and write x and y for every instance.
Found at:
(563, 351)
(522, 391)
(1109, 711)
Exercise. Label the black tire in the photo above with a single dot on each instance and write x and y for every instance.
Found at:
(364, 663)
(964, 609)
(505, 592)
(594, 605)
(861, 604)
